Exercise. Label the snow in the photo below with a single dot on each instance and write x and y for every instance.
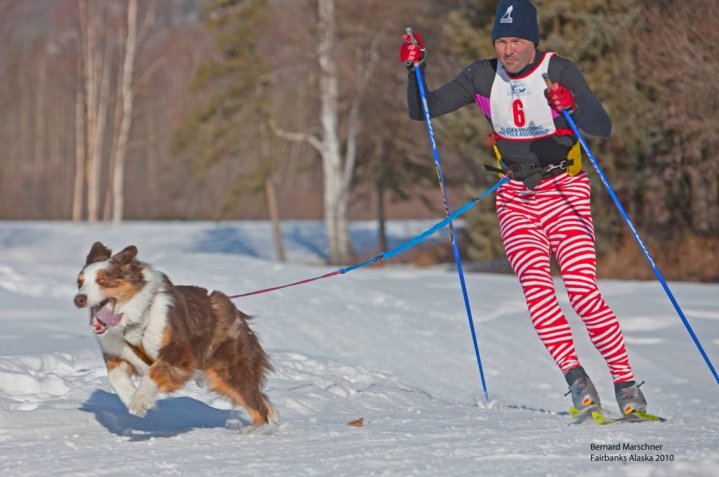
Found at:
(389, 344)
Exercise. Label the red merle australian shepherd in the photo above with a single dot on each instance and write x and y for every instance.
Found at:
(166, 334)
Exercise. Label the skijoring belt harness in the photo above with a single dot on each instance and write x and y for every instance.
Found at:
(532, 174)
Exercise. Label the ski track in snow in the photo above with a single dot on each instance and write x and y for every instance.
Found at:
(390, 345)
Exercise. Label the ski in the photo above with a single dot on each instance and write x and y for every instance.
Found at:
(632, 417)
(599, 417)
(585, 415)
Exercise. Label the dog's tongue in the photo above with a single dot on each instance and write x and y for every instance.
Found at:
(107, 315)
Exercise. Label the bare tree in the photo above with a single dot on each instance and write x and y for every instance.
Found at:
(337, 168)
(96, 61)
(80, 149)
(94, 105)
(127, 95)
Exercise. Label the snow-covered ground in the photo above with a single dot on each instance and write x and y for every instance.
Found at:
(388, 344)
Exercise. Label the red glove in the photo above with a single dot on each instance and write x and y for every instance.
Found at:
(560, 98)
(412, 53)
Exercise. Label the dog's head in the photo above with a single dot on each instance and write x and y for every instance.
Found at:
(106, 282)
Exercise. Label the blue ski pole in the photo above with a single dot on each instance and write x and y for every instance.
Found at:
(457, 258)
(659, 275)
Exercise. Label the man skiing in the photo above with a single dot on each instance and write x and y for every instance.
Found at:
(545, 209)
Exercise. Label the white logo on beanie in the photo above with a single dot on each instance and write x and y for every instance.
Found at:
(507, 17)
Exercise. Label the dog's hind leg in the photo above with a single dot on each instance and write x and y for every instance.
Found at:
(254, 402)
(272, 417)
(258, 406)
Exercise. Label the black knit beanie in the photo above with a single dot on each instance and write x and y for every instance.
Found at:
(516, 18)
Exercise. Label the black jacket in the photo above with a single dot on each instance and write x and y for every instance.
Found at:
(478, 77)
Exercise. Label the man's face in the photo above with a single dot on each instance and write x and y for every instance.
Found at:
(514, 53)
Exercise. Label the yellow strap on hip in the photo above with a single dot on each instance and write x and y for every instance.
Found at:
(575, 155)
(499, 158)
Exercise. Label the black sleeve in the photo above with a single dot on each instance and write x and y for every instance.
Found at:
(450, 97)
(589, 115)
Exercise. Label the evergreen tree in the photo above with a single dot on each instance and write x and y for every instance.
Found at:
(231, 124)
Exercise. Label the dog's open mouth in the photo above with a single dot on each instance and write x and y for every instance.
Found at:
(103, 315)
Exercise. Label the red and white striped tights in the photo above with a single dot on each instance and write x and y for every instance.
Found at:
(555, 218)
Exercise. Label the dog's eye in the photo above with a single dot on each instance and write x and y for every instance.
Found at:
(80, 281)
(101, 280)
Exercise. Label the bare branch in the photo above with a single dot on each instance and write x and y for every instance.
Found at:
(295, 136)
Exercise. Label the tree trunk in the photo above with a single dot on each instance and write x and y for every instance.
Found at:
(116, 120)
(381, 219)
(80, 150)
(97, 85)
(335, 202)
(275, 219)
(127, 94)
(337, 171)
(39, 159)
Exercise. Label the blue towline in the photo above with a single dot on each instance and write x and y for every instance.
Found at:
(424, 235)
(393, 252)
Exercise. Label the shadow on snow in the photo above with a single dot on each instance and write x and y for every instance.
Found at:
(171, 417)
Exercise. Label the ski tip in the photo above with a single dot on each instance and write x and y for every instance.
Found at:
(645, 416)
(600, 419)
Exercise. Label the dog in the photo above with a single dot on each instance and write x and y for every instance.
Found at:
(167, 334)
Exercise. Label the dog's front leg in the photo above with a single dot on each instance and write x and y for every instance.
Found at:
(119, 373)
(163, 376)
(144, 398)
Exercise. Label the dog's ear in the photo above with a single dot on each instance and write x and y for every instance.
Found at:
(98, 253)
(126, 256)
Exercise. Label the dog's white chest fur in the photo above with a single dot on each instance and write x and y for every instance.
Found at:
(156, 319)
(144, 324)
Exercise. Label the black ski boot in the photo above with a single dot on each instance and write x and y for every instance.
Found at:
(584, 394)
(630, 398)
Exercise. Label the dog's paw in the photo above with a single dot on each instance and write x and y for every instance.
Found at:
(144, 399)
(264, 429)
(137, 409)
(235, 422)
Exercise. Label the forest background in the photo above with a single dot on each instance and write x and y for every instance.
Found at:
(296, 109)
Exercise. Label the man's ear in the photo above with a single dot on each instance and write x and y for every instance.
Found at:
(98, 253)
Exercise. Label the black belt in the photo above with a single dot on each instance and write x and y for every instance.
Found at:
(532, 174)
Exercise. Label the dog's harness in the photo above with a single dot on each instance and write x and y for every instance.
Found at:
(140, 352)
(138, 349)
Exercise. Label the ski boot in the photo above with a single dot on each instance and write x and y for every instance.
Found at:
(584, 394)
(630, 398)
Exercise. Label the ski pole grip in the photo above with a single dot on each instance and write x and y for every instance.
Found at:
(410, 32)
(547, 80)
(413, 40)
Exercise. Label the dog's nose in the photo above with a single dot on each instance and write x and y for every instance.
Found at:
(80, 300)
